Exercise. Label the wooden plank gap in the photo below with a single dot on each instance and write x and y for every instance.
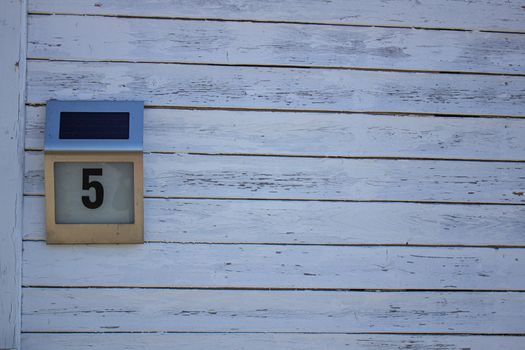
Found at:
(274, 332)
(29, 194)
(278, 66)
(280, 289)
(488, 246)
(277, 110)
(215, 19)
(276, 155)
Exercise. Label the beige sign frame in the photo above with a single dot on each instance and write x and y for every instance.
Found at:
(94, 233)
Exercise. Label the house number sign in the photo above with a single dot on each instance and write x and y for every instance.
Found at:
(93, 160)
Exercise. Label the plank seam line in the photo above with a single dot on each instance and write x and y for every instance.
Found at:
(277, 244)
(276, 155)
(285, 289)
(393, 158)
(459, 334)
(344, 114)
(28, 194)
(270, 155)
(276, 66)
(268, 21)
(328, 111)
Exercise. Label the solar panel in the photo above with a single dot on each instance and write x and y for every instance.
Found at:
(94, 125)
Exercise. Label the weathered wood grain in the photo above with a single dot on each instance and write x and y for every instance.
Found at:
(12, 84)
(290, 222)
(285, 311)
(298, 244)
(279, 266)
(185, 175)
(132, 39)
(473, 14)
(320, 134)
(277, 88)
(258, 341)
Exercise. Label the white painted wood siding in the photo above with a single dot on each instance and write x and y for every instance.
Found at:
(320, 134)
(344, 174)
(181, 220)
(307, 89)
(265, 266)
(447, 14)
(75, 309)
(114, 38)
(263, 341)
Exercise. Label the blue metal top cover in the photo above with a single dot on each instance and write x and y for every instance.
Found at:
(94, 126)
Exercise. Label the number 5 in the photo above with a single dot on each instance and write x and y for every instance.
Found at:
(86, 185)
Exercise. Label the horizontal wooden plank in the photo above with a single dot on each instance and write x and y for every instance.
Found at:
(258, 341)
(473, 14)
(291, 222)
(320, 134)
(185, 175)
(132, 39)
(277, 88)
(285, 311)
(281, 266)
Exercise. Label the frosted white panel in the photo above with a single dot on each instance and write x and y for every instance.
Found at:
(94, 193)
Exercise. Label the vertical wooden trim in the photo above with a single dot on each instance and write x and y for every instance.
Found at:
(12, 97)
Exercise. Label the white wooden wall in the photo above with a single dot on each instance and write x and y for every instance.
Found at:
(318, 175)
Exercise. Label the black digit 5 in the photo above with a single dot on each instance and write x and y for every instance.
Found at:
(86, 185)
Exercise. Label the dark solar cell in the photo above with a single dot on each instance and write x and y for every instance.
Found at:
(94, 125)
